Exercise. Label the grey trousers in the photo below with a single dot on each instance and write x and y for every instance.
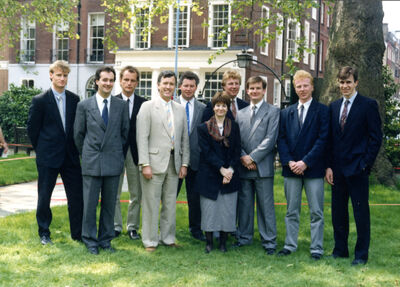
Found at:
(262, 189)
(162, 187)
(135, 196)
(314, 188)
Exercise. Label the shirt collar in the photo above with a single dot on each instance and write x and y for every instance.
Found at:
(55, 93)
(351, 99)
(258, 105)
(184, 101)
(101, 99)
(306, 104)
(125, 98)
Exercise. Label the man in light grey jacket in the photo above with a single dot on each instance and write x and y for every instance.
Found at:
(258, 125)
(100, 133)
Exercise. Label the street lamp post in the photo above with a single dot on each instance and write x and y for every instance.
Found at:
(244, 59)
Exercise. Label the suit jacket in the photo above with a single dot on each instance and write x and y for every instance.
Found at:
(198, 109)
(213, 156)
(101, 146)
(154, 139)
(354, 150)
(259, 140)
(52, 144)
(209, 112)
(308, 143)
(131, 143)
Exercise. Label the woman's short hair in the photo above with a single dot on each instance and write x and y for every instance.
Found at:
(221, 97)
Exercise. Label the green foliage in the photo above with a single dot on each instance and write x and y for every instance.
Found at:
(391, 128)
(14, 108)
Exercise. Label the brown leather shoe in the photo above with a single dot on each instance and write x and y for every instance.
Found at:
(150, 249)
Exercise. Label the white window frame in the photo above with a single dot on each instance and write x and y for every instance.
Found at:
(90, 38)
(217, 80)
(287, 89)
(297, 36)
(172, 26)
(307, 42)
(135, 34)
(211, 20)
(62, 27)
(321, 51)
(143, 84)
(312, 55)
(322, 13)
(26, 83)
(279, 42)
(328, 19)
(26, 41)
(314, 12)
(264, 14)
(265, 97)
(277, 94)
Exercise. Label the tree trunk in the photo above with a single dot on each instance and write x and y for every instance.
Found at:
(356, 39)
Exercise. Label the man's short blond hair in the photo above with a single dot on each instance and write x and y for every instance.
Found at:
(301, 74)
(60, 64)
(231, 74)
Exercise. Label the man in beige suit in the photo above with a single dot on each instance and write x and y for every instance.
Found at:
(163, 147)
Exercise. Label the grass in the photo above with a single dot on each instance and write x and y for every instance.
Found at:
(17, 171)
(24, 262)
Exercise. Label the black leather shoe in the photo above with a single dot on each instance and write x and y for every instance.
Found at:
(316, 256)
(133, 234)
(93, 250)
(208, 249)
(270, 251)
(45, 240)
(199, 236)
(109, 249)
(117, 233)
(358, 262)
(237, 244)
(284, 252)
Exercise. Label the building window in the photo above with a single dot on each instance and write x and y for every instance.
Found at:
(321, 55)
(312, 56)
(28, 41)
(141, 39)
(212, 85)
(61, 43)
(293, 33)
(288, 89)
(144, 87)
(322, 13)
(219, 21)
(96, 38)
(277, 93)
(183, 27)
(314, 11)
(279, 42)
(29, 83)
(264, 14)
(306, 42)
(90, 87)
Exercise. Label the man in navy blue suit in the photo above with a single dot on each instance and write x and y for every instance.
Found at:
(354, 141)
(50, 129)
(302, 140)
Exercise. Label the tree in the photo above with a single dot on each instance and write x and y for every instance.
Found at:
(356, 39)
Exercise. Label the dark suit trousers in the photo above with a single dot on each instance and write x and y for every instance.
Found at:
(193, 199)
(357, 187)
(72, 179)
(93, 186)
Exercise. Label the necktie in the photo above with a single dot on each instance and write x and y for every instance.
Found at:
(104, 114)
(344, 115)
(301, 115)
(169, 121)
(233, 109)
(61, 109)
(253, 115)
(188, 116)
(129, 107)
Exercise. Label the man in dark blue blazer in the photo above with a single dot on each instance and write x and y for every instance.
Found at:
(50, 129)
(355, 136)
(302, 140)
(231, 80)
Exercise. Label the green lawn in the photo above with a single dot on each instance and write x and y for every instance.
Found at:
(17, 171)
(24, 262)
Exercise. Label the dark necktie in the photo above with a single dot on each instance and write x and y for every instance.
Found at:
(233, 109)
(301, 115)
(104, 114)
(253, 115)
(344, 115)
(188, 116)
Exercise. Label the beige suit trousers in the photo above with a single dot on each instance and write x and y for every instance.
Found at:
(135, 196)
(162, 187)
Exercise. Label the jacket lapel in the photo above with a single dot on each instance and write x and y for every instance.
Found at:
(310, 115)
(196, 114)
(259, 116)
(53, 108)
(160, 110)
(95, 112)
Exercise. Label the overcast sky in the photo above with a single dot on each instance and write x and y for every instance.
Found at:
(392, 14)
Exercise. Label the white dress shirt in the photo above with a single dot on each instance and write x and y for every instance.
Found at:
(306, 107)
(100, 103)
(349, 105)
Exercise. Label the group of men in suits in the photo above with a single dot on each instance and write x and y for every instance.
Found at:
(155, 142)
